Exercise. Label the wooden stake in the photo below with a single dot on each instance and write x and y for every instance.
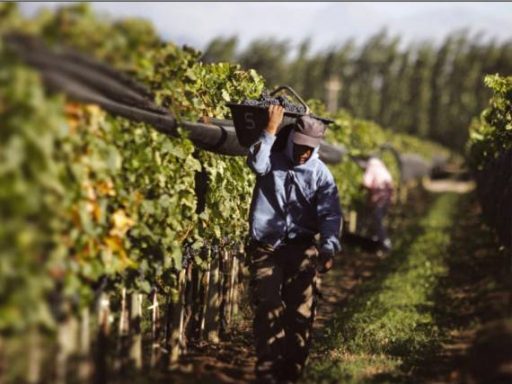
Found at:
(135, 330)
(229, 280)
(234, 289)
(352, 221)
(67, 344)
(123, 343)
(224, 291)
(189, 301)
(85, 366)
(34, 357)
(211, 326)
(177, 323)
(167, 331)
(194, 303)
(155, 331)
(183, 285)
(205, 289)
(124, 316)
(102, 344)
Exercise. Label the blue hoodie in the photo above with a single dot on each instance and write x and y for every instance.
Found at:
(292, 200)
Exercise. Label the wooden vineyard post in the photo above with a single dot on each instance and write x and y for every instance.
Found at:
(234, 294)
(102, 344)
(67, 335)
(229, 284)
(242, 280)
(352, 221)
(188, 313)
(224, 291)
(124, 316)
(403, 194)
(85, 367)
(227, 289)
(123, 334)
(193, 303)
(205, 282)
(155, 330)
(34, 357)
(135, 330)
(211, 325)
(167, 331)
(177, 329)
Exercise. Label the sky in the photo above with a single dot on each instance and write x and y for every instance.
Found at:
(325, 23)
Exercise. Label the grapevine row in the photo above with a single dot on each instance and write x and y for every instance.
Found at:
(490, 156)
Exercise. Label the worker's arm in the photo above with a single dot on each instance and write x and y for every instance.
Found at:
(330, 219)
(258, 158)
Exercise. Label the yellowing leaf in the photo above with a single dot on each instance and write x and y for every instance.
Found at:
(114, 244)
(121, 223)
(106, 188)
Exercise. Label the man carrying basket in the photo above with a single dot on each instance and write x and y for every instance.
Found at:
(295, 198)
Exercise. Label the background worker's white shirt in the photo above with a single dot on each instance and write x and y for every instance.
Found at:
(377, 175)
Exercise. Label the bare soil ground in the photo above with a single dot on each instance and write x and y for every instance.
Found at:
(449, 185)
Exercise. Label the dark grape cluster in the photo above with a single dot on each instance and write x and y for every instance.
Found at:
(265, 100)
(188, 256)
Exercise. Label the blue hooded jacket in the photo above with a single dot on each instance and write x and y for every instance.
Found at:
(292, 200)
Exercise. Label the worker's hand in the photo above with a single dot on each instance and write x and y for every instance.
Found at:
(325, 261)
(275, 117)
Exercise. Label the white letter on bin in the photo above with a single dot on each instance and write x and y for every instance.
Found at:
(249, 120)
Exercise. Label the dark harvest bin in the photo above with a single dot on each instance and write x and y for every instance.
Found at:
(251, 120)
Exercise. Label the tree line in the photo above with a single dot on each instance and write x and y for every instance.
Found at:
(425, 89)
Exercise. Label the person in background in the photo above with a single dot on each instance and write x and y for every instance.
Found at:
(294, 199)
(379, 183)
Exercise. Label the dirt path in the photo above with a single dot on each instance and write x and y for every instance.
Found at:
(230, 361)
(448, 185)
(341, 283)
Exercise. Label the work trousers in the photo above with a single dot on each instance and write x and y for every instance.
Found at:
(283, 287)
(379, 201)
(379, 213)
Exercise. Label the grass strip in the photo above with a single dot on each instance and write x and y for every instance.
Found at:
(390, 322)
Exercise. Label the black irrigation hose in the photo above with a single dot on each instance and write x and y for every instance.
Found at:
(91, 81)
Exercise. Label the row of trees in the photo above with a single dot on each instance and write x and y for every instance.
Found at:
(424, 89)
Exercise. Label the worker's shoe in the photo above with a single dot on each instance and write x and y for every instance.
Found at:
(386, 245)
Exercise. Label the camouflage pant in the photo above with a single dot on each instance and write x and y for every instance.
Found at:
(283, 294)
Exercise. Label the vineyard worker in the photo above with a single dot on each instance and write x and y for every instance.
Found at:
(379, 183)
(295, 198)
